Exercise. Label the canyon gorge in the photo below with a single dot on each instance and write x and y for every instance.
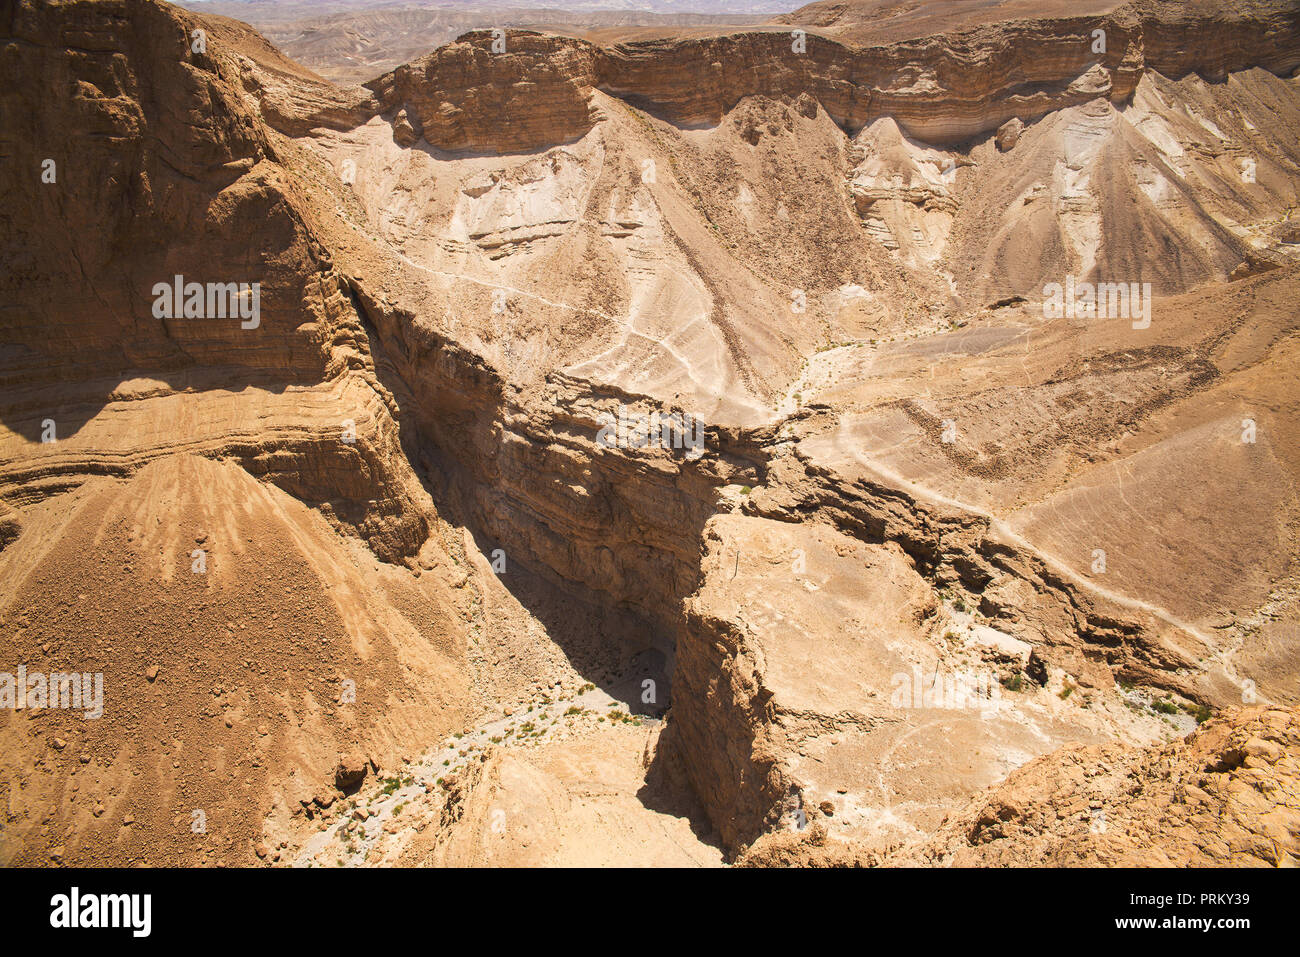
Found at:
(386, 577)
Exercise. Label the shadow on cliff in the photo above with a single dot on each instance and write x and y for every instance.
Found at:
(624, 654)
(628, 652)
(618, 650)
(667, 790)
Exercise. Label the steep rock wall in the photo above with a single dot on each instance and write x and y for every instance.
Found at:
(942, 89)
(467, 96)
(622, 524)
(131, 160)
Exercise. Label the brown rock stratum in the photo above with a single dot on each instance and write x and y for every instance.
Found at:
(375, 571)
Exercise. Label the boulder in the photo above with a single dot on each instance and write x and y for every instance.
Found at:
(1009, 134)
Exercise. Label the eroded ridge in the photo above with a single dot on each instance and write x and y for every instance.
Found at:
(662, 452)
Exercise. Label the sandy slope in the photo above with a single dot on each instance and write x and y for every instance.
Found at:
(838, 263)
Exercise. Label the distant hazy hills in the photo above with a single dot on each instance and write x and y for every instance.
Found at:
(266, 10)
(351, 41)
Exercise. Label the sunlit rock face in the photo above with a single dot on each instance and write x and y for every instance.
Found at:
(685, 435)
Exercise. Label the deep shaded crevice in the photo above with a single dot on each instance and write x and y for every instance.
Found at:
(519, 471)
(508, 473)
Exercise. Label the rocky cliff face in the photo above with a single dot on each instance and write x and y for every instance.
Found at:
(902, 468)
(495, 93)
(156, 169)
(620, 523)
(942, 89)
(1197, 802)
(171, 177)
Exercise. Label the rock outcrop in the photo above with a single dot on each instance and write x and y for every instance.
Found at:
(517, 90)
(1009, 134)
(1228, 795)
(496, 92)
(460, 283)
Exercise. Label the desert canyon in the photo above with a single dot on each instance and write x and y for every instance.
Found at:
(856, 435)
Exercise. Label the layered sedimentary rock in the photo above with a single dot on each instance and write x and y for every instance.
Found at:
(815, 663)
(497, 93)
(171, 176)
(942, 89)
(547, 472)
(225, 614)
(477, 267)
(946, 89)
